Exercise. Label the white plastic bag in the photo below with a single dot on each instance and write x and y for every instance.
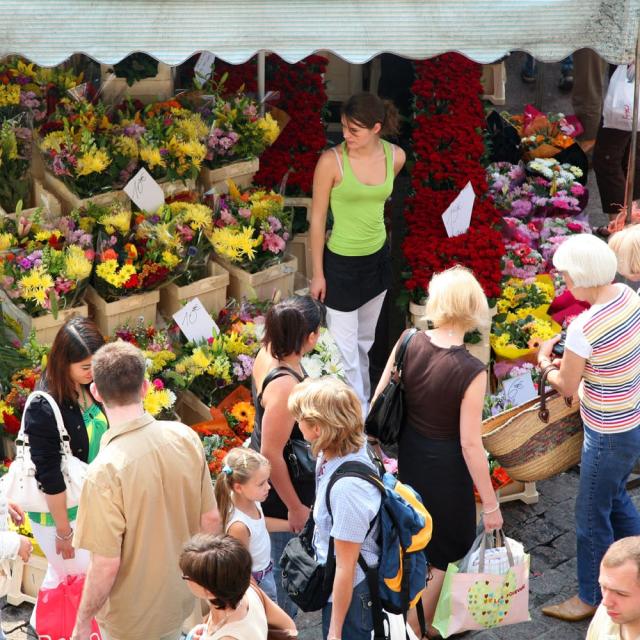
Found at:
(397, 628)
(617, 112)
(496, 560)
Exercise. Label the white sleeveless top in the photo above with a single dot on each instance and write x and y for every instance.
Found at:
(252, 627)
(259, 541)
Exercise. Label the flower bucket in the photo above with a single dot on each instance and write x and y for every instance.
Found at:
(191, 409)
(240, 172)
(46, 327)
(211, 291)
(70, 201)
(148, 90)
(274, 281)
(110, 315)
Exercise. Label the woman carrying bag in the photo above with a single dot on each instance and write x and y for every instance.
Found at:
(66, 380)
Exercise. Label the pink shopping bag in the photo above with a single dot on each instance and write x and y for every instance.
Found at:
(57, 609)
(471, 601)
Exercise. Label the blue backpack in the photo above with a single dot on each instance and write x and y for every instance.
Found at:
(397, 583)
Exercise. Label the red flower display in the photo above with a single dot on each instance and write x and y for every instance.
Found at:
(448, 148)
(303, 98)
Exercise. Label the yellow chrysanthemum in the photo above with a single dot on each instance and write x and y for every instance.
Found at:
(95, 161)
(53, 140)
(158, 360)
(192, 127)
(110, 273)
(35, 285)
(197, 216)
(76, 264)
(118, 220)
(170, 260)
(235, 244)
(7, 240)
(152, 157)
(126, 146)
(9, 95)
(270, 129)
(158, 400)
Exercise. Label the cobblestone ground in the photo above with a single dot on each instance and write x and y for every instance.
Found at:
(547, 528)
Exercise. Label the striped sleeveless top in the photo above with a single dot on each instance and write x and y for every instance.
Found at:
(610, 394)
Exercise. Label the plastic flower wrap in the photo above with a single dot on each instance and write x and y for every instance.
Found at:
(251, 228)
(517, 293)
(15, 158)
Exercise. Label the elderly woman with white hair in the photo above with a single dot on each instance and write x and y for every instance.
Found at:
(440, 452)
(601, 362)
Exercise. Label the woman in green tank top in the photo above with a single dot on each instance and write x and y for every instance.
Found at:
(352, 271)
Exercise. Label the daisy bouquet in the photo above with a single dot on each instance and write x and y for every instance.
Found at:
(251, 228)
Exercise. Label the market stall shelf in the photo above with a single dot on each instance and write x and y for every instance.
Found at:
(211, 291)
(191, 409)
(266, 284)
(110, 315)
(240, 172)
(46, 327)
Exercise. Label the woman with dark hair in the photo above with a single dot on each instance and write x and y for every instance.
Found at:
(292, 328)
(352, 273)
(66, 379)
(218, 569)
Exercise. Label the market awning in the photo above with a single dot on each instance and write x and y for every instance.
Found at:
(49, 31)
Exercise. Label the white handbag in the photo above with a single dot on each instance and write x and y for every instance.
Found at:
(19, 484)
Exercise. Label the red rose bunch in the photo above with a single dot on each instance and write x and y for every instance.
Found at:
(449, 151)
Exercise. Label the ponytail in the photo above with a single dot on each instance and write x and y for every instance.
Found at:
(391, 122)
(367, 110)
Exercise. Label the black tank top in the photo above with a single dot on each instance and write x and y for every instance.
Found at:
(273, 507)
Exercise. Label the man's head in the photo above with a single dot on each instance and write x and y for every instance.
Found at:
(118, 374)
(620, 581)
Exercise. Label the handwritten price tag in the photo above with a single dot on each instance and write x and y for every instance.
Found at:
(204, 66)
(145, 191)
(519, 390)
(457, 217)
(195, 322)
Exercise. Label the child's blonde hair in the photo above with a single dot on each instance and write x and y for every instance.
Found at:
(238, 466)
(333, 406)
(626, 246)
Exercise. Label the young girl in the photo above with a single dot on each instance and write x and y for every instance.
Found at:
(240, 488)
(218, 568)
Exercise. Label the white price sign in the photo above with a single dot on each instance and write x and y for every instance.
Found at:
(195, 322)
(145, 191)
(457, 217)
(204, 66)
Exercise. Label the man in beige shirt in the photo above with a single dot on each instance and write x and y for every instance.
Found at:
(618, 616)
(147, 492)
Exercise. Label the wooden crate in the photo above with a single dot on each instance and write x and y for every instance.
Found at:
(191, 409)
(46, 327)
(275, 281)
(210, 290)
(26, 580)
(149, 90)
(110, 315)
(240, 172)
(70, 201)
(171, 188)
(300, 244)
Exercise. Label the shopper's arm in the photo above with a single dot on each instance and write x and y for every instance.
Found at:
(566, 380)
(346, 559)
(101, 576)
(473, 450)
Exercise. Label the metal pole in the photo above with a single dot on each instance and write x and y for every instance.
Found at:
(631, 168)
(261, 78)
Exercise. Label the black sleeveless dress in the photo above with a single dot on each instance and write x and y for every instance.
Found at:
(273, 507)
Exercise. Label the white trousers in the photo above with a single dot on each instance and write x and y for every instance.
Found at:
(58, 568)
(354, 333)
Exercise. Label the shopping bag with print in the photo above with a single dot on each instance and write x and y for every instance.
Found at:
(617, 112)
(480, 600)
(57, 609)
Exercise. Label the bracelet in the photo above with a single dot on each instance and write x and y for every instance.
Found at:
(486, 513)
(64, 538)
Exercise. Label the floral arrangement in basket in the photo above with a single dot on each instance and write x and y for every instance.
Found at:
(544, 135)
(130, 261)
(184, 228)
(159, 351)
(15, 158)
(48, 272)
(251, 228)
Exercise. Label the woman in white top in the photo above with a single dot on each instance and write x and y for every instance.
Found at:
(240, 488)
(218, 569)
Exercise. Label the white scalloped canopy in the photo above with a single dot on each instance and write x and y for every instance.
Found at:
(49, 31)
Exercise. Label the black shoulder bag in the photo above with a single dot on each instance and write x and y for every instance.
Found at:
(386, 415)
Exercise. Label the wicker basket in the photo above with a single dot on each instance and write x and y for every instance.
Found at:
(537, 440)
